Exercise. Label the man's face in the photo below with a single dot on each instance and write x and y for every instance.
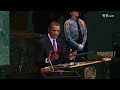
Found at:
(75, 13)
(54, 31)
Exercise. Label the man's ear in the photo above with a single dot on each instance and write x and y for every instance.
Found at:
(48, 29)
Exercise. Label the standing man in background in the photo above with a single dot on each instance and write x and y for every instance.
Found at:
(75, 33)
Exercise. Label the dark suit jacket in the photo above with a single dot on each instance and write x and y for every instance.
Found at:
(43, 48)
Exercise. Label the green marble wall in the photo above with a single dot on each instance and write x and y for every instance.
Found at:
(4, 38)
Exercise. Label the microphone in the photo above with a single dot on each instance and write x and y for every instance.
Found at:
(49, 55)
(50, 60)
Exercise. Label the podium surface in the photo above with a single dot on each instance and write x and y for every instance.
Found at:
(73, 65)
(86, 70)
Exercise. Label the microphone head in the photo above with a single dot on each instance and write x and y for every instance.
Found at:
(51, 51)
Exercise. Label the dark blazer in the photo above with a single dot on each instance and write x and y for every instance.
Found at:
(43, 48)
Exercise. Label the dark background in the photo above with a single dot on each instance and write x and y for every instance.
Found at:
(26, 26)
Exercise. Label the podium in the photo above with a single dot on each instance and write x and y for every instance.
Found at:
(80, 70)
(61, 75)
(59, 72)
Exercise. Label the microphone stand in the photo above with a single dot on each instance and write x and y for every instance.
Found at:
(81, 54)
(51, 65)
(50, 61)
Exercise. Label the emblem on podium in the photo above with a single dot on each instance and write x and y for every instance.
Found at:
(90, 72)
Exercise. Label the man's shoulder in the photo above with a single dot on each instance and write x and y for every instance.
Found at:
(61, 41)
(68, 21)
(43, 39)
(82, 23)
(81, 20)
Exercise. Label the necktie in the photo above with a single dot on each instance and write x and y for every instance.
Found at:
(80, 34)
(54, 47)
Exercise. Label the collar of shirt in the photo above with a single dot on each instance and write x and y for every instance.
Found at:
(74, 18)
(51, 39)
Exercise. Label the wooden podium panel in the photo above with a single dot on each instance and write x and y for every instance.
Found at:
(61, 75)
(74, 64)
(89, 62)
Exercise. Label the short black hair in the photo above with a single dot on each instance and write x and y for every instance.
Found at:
(54, 23)
(74, 9)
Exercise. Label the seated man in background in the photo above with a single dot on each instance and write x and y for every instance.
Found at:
(52, 49)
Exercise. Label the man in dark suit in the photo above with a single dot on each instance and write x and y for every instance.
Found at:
(51, 48)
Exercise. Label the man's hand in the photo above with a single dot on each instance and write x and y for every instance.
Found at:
(81, 46)
(54, 57)
(73, 55)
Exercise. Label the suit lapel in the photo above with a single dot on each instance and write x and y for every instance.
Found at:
(50, 44)
(58, 44)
